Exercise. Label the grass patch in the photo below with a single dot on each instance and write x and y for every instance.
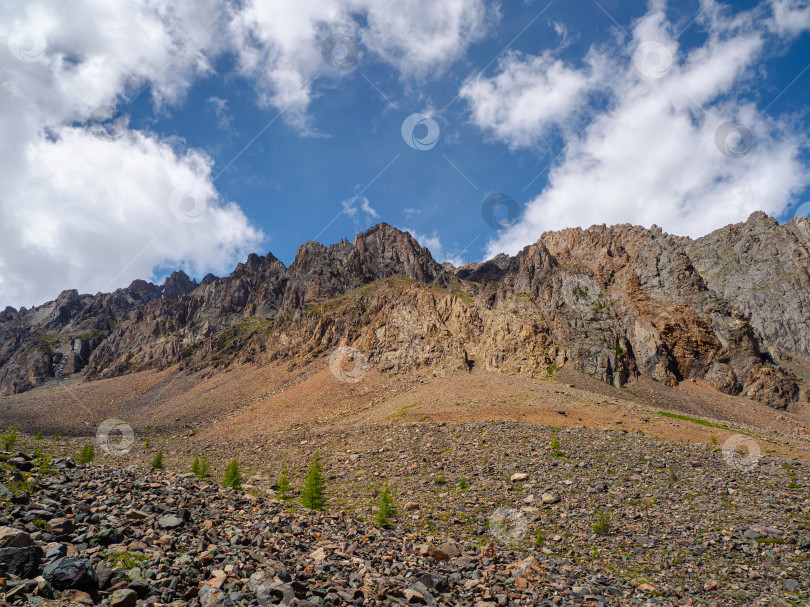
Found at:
(694, 420)
(125, 560)
(770, 540)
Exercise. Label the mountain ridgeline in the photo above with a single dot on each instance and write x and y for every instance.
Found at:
(617, 303)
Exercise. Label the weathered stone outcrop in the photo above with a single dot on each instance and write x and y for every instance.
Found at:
(618, 302)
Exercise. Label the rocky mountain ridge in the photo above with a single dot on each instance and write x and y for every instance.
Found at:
(618, 303)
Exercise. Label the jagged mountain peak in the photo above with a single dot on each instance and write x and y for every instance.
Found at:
(617, 302)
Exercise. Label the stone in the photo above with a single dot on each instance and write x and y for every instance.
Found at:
(213, 597)
(434, 582)
(107, 537)
(450, 548)
(433, 552)
(140, 586)
(549, 498)
(22, 464)
(424, 592)
(60, 527)
(124, 598)
(319, 555)
(71, 572)
(518, 477)
(75, 597)
(413, 596)
(14, 538)
(170, 522)
(56, 552)
(20, 561)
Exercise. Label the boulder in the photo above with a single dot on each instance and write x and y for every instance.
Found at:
(14, 538)
(22, 562)
(71, 572)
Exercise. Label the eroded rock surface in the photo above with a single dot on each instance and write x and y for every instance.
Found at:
(618, 303)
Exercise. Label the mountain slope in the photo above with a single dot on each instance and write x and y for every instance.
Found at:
(620, 303)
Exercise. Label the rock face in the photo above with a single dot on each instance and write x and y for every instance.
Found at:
(761, 268)
(619, 303)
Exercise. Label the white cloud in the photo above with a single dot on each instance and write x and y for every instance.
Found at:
(279, 43)
(60, 61)
(83, 212)
(220, 108)
(368, 210)
(651, 157)
(561, 29)
(98, 214)
(791, 16)
(351, 209)
(527, 97)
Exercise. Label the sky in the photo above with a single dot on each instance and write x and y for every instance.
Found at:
(140, 137)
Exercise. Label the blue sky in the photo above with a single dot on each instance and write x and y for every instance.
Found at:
(581, 112)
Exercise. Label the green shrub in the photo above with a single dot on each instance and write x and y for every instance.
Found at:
(713, 438)
(440, 480)
(43, 461)
(283, 486)
(386, 509)
(9, 439)
(602, 524)
(201, 467)
(38, 435)
(312, 496)
(233, 478)
(157, 462)
(463, 484)
(87, 454)
(147, 443)
(555, 446)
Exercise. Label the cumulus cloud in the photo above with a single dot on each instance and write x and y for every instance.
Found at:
(529, 95)
(99, 214)
(791, 16)
(88, 203)
(654, 155)
(279, 44)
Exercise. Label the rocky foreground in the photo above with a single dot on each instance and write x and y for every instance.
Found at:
(489, 514)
